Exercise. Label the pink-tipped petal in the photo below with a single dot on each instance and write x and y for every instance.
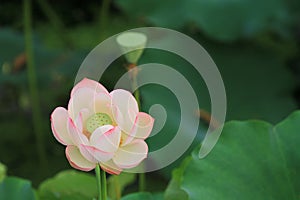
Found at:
(102, 104)
(88, 83)
(59, 119)
(141, 129)
(81, 99)
(97, 134)
(83, 115)
(111, 168)
(143, 125)
(86, 153)
(117, 116)
(76, 136)
(94, 155)
(77, 161)
(127, 107)
(106, 138)
(131, 155)
(79, 122)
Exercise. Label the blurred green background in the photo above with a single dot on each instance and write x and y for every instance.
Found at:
(255, 44)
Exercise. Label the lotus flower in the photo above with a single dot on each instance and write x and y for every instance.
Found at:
(102, 128)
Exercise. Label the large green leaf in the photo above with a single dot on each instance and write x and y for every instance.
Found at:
(69, 185)
(252, 160)
(14, 188)
(224, 20)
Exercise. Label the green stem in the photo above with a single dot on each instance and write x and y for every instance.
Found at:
(98, 177)
(103, 185)
(142, 182)
(117, 187)
(55, 21)
(134, 85)
(136, 92)
(50, 13)
(103, 17)
(32, 81)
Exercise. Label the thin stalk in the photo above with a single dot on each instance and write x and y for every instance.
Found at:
(50, 13)
(136, 92)
(32, 81)
(55, 21)
(98, 177)
(142, 182)
(117, 187)
(103, 185)
(134, 85)
(104, 14)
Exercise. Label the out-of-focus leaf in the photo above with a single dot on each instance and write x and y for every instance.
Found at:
(69, 185)
(144, 196)
(50, 65)
(258, 83)
(85, 36)
(55, 70)
(223, 20)
(117, 183)
(13, 188)
(258, 86)
(2, 172)
(252, 160)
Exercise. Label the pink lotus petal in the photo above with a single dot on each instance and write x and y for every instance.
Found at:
(141, 129)
(88, 83)
(81, 99)
(117, 116)
(102, 104)
(76, 160)
(106, 138)
(79, 122)
(94, 155)
(111, 168)
(143, 125)
(131, 155)
(76, 136)
(81, 118)
(102, 127)
(59, 118)
(99, 132)
(127, 107)
(125, 139)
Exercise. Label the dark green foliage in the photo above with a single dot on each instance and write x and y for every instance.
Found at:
(255, 45)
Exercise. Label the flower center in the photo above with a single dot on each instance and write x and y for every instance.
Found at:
(97, 120)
